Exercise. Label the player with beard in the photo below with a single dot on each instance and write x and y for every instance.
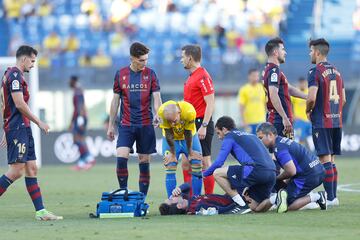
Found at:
(278, 89)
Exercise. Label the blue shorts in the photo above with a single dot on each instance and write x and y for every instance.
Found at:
(300, 186)
(79, 130)
(181, 147)
(259, 182)
(327, 141)
(302, 130)
(20, 145)
(143, 135)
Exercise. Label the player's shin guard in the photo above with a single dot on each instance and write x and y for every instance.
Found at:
(144, 178)
(335, 179)
(196, 181)
(209, 184)
(5, 182)
(34, 192)
(170, 179)
(122, 172)
(328, 181)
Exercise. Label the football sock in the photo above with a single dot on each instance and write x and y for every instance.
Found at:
(272, 198)
(238, 199)
(122, 171)
(209, 184)
(328, 181)
(34, 192)
(314, 196)
(187, 176)
(188, 179)
(5, 182)
(144, 178)
(196, 181)
(170, 177)
(83, 149)
(335, 179)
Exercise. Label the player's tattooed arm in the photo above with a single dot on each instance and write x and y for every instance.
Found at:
(169, 136)
(188, 139)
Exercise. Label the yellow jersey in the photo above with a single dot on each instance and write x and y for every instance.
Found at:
(299, 106)
(187, 119)
(253, 100)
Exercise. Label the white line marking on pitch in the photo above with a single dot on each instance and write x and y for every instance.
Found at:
(347, 187)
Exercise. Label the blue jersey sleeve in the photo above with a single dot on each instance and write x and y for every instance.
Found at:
(283, 157)
(117, 87)
(274, 77)
(225, 150)
(312, 78)
(15, 81)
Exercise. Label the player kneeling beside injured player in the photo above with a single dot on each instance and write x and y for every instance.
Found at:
(302, 171)
(255, 176)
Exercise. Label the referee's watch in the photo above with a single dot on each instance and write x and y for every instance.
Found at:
(204, 124)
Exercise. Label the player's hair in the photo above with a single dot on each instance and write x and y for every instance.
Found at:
(25, 50)
(225, 122)
(320, 44)
(193, 50)
(251, 70)
(272, 44)
(266, 128)
(138, 49)
(166, 209)
(74, 78)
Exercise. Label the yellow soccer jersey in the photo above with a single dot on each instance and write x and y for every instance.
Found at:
(187, 119)
(253, 99)
(299, 106)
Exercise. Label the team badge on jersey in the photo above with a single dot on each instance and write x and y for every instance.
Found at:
(15, 85)
(274, 77)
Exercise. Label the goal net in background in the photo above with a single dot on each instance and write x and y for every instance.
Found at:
(33, 81)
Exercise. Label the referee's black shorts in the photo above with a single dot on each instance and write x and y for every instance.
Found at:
(206, 143)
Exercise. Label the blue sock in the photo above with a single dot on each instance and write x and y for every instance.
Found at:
(170, 179)
(335, 179)
(122, 171)
(328, 181)
(34, 192)
(144, 178)
(5, 182)
(196, 179)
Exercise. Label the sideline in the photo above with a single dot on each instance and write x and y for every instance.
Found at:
(347, 187)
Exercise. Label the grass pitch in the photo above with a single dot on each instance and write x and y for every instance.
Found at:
(74, 195)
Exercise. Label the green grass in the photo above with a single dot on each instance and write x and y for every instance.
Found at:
(74, 195)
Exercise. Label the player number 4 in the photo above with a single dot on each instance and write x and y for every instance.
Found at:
(22, 147)
(333, 93)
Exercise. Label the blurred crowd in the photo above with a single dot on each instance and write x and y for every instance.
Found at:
(98, 32)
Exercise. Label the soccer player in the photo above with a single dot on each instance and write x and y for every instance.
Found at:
(181, 202)
(78, 126)
(133, 87)
(199, 91)
(302, 126)
(302, 171)
(177, 119)
(256, 171)
(324, 109)
(252, 102)
(18, 136)
(278, 89)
